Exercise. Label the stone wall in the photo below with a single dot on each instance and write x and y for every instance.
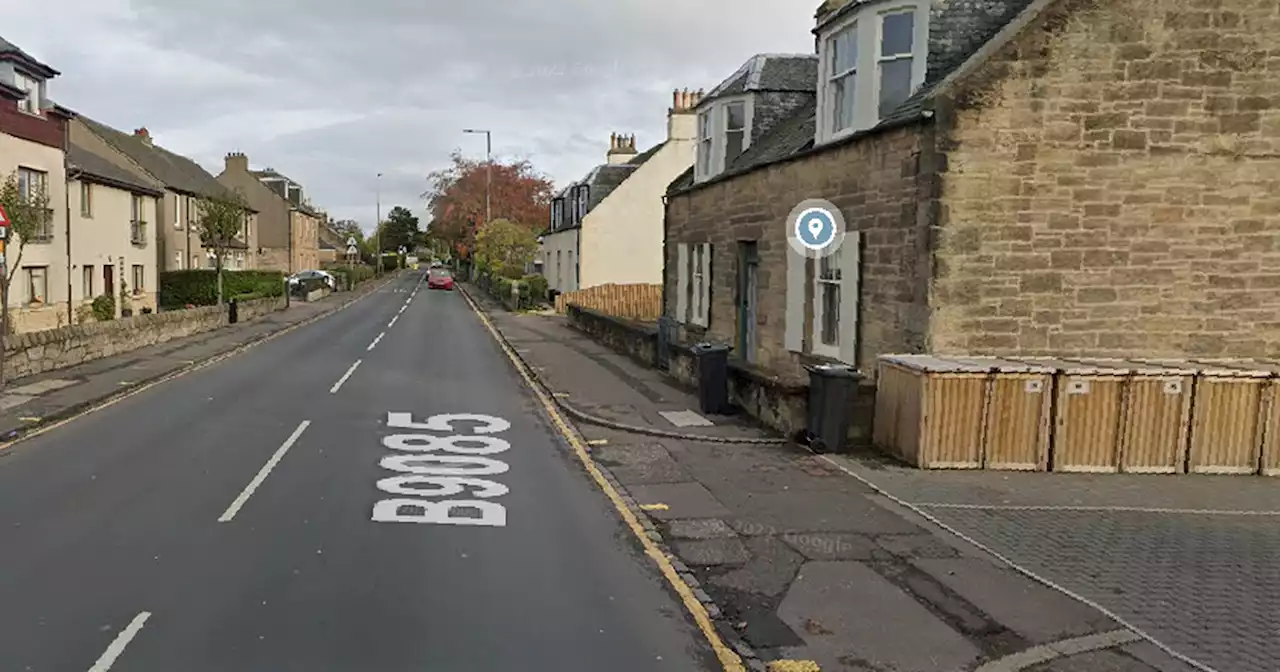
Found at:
(879, 184)
(778, 404)
(39, 351)
(1114, 186)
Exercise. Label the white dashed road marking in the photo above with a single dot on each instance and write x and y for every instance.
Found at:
(345, 376)
(122, 640)
(263, 473)
(375, 341)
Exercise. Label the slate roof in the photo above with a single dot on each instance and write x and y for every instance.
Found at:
(10, 49)
(175, 171)
(958, 29)
(769, 72)
(99, 169)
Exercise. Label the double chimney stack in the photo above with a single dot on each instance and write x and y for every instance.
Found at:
(680, 125)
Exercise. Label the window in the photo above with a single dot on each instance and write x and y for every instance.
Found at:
(138, 225)
(822, 313)
(897, 37)
(177, 261)
(193, 211)
(843, 68)
(871, 61)
(86, 282)
(826, 315)
(735, 131)
(693, 291)
(30, 104)
(86, 199)
(31, 184)
(705, 141)
(37, 280)
(139, 277)
(557, 213)
(583, 192)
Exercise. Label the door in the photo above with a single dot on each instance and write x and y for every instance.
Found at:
(748, 290)
(109, 280)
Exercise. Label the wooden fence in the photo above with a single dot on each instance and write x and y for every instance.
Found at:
(633, 301)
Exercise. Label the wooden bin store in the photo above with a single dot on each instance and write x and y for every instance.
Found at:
(1087, 411)
(1230, 416)
(963, 412)
(1155, 415)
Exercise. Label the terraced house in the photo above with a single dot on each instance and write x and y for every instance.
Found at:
(33, 142)
(288, 226)
(178, 242)
(607, 227)
(1019, 177)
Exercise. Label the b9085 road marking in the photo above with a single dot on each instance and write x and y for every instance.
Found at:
(447, 465)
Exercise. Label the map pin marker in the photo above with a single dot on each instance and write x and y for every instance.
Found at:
(815, 227)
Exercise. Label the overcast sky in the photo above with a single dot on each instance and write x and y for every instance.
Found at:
(332, 92)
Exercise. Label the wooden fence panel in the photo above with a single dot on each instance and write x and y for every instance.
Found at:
(632, 301)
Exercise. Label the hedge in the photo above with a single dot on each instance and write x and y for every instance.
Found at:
(199, 287)
(350, 276)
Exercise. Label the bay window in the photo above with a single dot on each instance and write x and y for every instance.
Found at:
(31, 103)
(705, 140)
(871, 61)
(724, 132)
(735, 131)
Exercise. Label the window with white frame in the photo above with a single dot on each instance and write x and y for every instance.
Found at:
(693, 283)
(705, 141)
(177, 261)
(86, 199)
(139, 279)
(735, 131)
(842, 57)
(822, 313)
(37, 281)
(583, 193)
(31, 103)
(33, 184)
(897, 38)
(86, 281)
(871, 61)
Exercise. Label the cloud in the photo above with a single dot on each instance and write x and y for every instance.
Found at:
(332, 92)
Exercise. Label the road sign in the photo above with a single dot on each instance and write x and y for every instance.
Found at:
(351, 249)
(351, 242)
(4, 218)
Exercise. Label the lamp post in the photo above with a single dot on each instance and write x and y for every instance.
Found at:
(377, 226)
(488, 169)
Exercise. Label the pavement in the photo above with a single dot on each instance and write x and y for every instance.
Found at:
(260, 513)
(807, 563)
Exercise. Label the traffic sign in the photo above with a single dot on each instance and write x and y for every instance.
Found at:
(4, 218)
(351, 249)
(351, 241)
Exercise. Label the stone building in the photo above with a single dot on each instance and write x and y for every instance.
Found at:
(1018, 176)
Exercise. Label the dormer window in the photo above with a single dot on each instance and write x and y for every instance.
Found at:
(871, 61)
(582, 201)
(557, 213)
(31, 103)
(724, 132)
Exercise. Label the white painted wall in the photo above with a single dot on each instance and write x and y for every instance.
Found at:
(104, 238)
(561, 246)
(622, 236)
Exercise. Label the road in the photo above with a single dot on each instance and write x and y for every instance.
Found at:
(230, 519)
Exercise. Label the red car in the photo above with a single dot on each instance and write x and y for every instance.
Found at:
(439, 278)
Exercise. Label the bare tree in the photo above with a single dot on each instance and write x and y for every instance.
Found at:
(220, 220)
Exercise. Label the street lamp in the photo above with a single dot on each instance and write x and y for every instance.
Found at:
(377, 226)
(488, 169)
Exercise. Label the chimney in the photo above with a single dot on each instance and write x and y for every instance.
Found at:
(622, 148)
(143, 134)
(236, 161)
(681, 117)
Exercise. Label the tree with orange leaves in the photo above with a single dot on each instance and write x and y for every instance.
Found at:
(518, 193)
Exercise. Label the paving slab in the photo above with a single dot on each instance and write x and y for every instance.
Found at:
(706, 552)
(845, 611)
(681, 500)
(1039, 614)
(769, 571)
(1094, 661)
(700, 528)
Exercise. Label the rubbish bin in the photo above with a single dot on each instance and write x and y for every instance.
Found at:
(713, 377)
(233, 312)
(832, 389)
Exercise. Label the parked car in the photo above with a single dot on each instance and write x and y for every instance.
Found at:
(313, 276)
(440, 278)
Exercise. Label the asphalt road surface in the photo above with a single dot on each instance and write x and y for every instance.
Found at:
(250, 516)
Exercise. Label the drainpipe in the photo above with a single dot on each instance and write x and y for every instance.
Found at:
(665, 228)
(66, 197)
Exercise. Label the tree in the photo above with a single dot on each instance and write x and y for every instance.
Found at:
(456, 199)
(220, 220)
(29, 215)
(505, 248)
(400, 230)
